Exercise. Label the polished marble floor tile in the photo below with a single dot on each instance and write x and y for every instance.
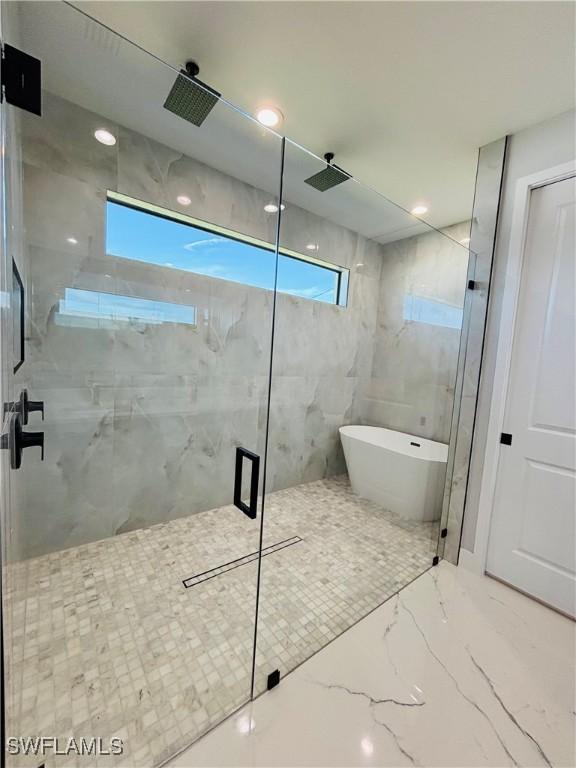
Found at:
(107, 639)
(455, 670)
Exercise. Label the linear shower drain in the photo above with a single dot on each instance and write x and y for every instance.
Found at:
(192, 581)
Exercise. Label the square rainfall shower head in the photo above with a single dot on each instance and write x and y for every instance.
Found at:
(329, 177)
(191, 99)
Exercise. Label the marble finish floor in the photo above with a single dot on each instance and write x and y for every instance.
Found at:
(107, 641)
(456, 670)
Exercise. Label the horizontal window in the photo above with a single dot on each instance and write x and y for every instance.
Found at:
(136, 231)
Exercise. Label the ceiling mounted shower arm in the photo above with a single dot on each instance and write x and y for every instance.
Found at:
(192, 69)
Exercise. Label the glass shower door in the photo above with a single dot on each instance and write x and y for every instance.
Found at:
(146, 254)
(370, 359)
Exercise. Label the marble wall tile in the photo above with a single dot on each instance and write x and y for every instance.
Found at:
(52, 342)
(322, 355)
(232, 333)
(181, 435)
(67, 499)
(62, 141)
(312, 337)
(305, 414)
(414, 365)
(48, 222)
(334, 244)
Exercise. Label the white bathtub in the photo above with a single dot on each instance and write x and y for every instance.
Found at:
(400, 472)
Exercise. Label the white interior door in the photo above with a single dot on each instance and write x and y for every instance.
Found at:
(532, 534)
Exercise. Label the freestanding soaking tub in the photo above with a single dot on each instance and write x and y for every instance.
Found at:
(400, 472)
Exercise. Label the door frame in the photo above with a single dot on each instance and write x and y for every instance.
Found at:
(476, 561)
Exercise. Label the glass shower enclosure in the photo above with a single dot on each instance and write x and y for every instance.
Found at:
(193, 307)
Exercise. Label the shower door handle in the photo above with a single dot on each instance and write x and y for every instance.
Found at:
(249, 509)
(24, 406)
(15, 440)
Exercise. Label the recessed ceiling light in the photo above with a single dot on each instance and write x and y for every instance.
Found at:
(419, 210)
(72, 240)
(105, 137)
(312, 246)
(273, 208)
(183, 200)
(269, 116)
(465, 241)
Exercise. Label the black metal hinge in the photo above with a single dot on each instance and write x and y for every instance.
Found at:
(436, 560)
(444, 533)
(506, 438)
(472, 284)
(21, 79)
(273, 679)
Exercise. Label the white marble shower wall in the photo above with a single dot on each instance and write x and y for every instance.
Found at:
(322, 356)
(415, 360)
(142, 421)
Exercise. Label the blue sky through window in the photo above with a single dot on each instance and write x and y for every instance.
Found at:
(143, 236)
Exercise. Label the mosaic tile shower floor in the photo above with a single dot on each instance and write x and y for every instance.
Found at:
(109, 642)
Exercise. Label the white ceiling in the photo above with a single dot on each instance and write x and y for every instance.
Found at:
(403, 92)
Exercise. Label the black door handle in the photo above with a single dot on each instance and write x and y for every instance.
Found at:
(249, 509)
(15, 440)
(32, 405)
(23, 406)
